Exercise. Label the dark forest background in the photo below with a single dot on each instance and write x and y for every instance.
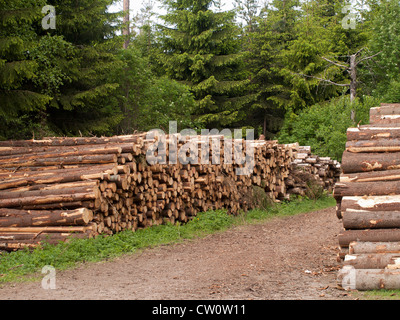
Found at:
(297, 71)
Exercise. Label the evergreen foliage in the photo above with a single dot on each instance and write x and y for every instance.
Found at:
(19, 101)
(202, 50)
(385, 27)
(269, 66)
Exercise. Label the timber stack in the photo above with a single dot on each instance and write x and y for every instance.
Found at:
(310, 173)
(368, 203)
(57, 188)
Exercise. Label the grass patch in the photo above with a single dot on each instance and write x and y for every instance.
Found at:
(379, 295)
(22, 265)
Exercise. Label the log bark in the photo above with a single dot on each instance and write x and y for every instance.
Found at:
(92, 186)
(371, 260)
(61, 177)
(376, 145)
(79, 149)
(38, 187)
(38, 162)
(367, 188)
(39, 230)
(19, 172)
(74, 141)
(361, 162)
(368, 132)
(38, 200)
(26, 218)
(385, 119)
(90, 204)
(357, 247)
(57, 152)
(368, 235)
(370, 203)
(372, 176)
(385, 108)
(371, 219)
(385, 114)
(368, 279)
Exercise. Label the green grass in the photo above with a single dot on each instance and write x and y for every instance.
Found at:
(24, 264)
(379, 295)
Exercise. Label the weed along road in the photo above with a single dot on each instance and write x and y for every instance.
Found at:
(290, 257)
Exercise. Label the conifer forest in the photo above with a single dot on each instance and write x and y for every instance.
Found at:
(292, 70)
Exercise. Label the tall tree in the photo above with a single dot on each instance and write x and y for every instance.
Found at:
(86, 103)
(323, 39)
(302, 57)
(126, 31)
(147, 101)
(147, 38)
(19, 99)
(386, 39)
(247, 10)
(268, 38)
(201, 48)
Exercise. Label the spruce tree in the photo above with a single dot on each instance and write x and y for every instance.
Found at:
(385, 41)
(19, 101)
(267, 41)
(201, 48)
(84, 102)
(310, 76)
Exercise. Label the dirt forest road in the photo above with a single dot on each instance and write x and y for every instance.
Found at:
(283, 258)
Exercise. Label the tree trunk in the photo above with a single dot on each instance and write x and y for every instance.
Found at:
(376, 145)
(265, 126)
(74, 141)
(370, 235)
(371, 219)
(353, 83)
(58, 176)
(38, 200)
(368, 279)
(37, 162)
(371, 176)
(366, 188)
(361, 162)
(387, 113)
(357, 247)
(371, 260)
(51, 229)
(126, 31)
(353, 80)
(66, 188)
(26, 218)
(367, 132)
(371, 203)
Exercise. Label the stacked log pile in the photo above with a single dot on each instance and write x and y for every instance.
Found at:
(309, 170)
(60, 187)
(57, 188)
(368, 202)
